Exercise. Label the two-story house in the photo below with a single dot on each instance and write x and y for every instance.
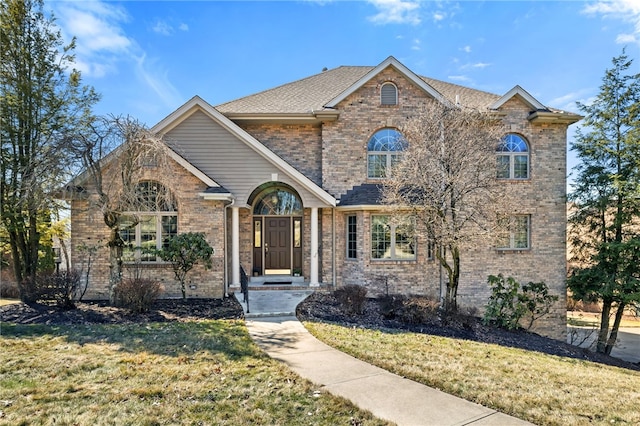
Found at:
(285, 184)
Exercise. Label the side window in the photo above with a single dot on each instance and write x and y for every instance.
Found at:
(512, 156)
(352, 237)
(388, 94)
(514, 233)
(152, 226)
(383, 151)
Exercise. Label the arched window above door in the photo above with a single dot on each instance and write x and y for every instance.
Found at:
(277, 201)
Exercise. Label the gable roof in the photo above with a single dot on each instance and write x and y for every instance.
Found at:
(112, 156)
(198, 104)
(393, 62)
(311, 97)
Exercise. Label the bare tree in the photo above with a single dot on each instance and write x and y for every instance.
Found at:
(115, 153)
(446, 180)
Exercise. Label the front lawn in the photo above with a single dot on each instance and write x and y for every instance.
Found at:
(195, 372)
(543, 389)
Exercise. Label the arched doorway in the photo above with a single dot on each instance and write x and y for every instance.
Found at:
(277, 230)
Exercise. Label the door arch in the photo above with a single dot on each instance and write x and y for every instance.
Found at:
(277, 230)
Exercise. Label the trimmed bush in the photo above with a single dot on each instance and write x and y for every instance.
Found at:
(137, 294)
(352, 298)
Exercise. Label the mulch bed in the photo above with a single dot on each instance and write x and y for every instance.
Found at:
(325, 307)
(321, 306)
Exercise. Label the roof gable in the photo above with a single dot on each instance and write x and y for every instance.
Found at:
(198, 104)
(389, 62)
(521, 94)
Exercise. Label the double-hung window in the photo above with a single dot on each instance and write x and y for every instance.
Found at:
(384, 151)
(512, 156)
(392, 239)
(514, 233)
(151, 226)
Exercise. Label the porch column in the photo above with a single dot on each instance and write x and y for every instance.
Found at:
(313, 279)
(235, 246)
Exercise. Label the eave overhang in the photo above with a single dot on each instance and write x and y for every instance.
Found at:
(560, 117)
(312, 117)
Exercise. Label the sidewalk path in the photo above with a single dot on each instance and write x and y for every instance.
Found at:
(384, 394)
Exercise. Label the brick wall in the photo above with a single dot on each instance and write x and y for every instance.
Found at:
(194, 215)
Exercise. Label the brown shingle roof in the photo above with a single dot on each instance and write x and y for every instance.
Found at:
(298, 97)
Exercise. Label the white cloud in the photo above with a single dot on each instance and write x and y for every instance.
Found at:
(567, 102)
(416, 44)
(165, 28)
(480, 65)
(157, 80)
(624, 10)
(396, 12)
(161, 27)
(466, 49)
(104, 48)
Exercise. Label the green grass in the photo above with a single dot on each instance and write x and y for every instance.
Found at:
(205, 372)
(543, 389)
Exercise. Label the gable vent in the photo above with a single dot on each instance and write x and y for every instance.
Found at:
(388, 94)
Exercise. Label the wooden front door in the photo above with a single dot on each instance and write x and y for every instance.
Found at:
(277, 245)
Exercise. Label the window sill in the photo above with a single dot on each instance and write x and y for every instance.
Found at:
(396, 261)
(513, 250)
(146, 265)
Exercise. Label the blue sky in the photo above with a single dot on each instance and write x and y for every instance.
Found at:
(147, 58)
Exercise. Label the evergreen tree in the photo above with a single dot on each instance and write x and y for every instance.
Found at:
(605, 225)
(42, 101)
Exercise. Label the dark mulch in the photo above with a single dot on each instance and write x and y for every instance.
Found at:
(324, 307)
(100, 312)
(320, 306)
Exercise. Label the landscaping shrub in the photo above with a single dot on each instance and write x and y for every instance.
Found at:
(137, 294)
(409, 309)
(352, 298)
(391, 305)
(57, 287)
(419, 310)
(509, 304)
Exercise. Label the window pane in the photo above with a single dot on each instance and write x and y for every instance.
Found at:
(297, 233)
(520, 166)
(404, 243)
(521, 232)
(503, 167)
(147, 238)
(377, 164)
(380, 237)
(128, 235)
(169, 229)
(257, 233)
(352, 235)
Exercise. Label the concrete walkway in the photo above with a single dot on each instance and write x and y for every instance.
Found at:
(386, 395)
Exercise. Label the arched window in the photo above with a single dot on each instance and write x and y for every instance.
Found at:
(151, 226)
(277, 201)
(389, 94)
(513, 158)
(383, 151)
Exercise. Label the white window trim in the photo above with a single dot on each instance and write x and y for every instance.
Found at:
(392, 248)
(137, 253)
(389, 83)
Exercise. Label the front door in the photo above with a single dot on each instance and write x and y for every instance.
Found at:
(277, 245)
